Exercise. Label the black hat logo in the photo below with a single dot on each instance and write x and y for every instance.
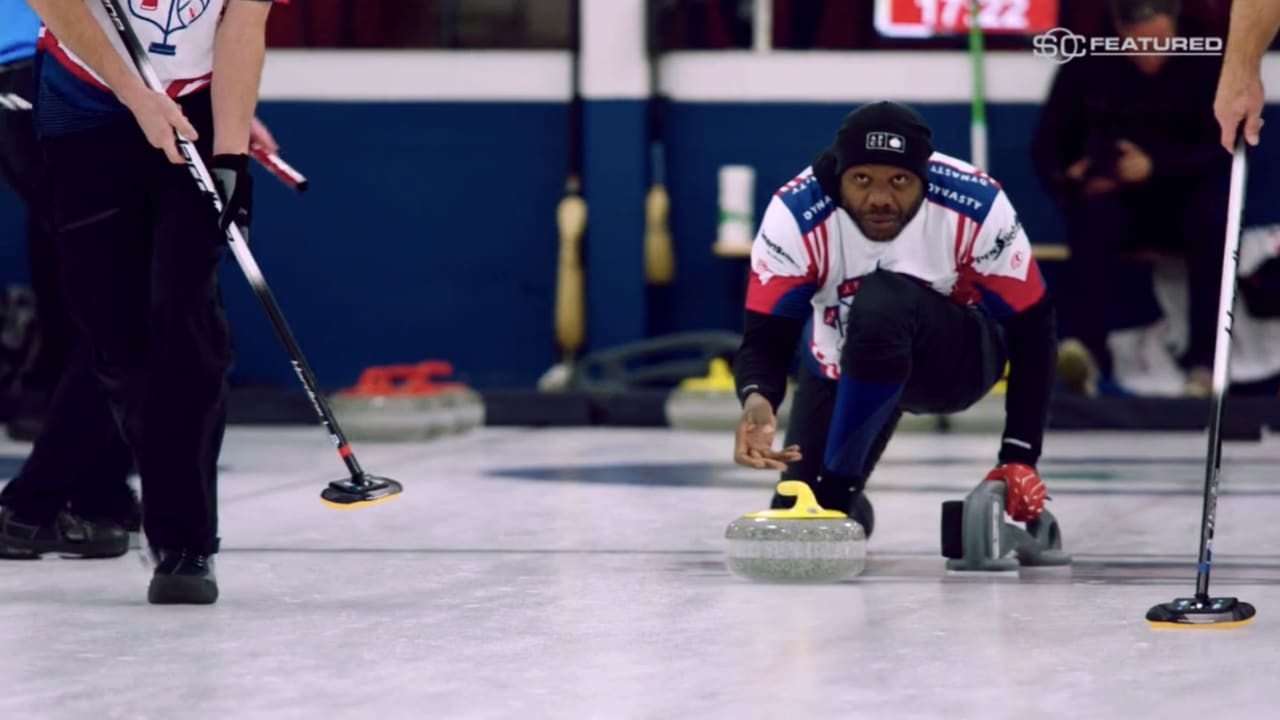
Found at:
(880, 140)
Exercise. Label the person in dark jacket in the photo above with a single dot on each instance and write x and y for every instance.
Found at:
(1129, 148)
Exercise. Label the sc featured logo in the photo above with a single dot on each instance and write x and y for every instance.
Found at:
(1060, 45)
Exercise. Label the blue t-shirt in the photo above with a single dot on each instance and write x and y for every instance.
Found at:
(18, 28)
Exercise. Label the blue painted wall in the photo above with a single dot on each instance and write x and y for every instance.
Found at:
(615, 178)
(429, 230)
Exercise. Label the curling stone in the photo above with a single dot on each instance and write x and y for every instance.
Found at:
(977, 538)
(804, 543)
(406, 403)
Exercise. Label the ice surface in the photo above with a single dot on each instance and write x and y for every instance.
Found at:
(576, 573)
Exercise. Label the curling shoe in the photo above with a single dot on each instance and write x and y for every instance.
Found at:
(68, 536)
(861, 512)
(182, 578)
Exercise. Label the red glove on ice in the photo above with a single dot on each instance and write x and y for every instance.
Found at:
(1024, 491)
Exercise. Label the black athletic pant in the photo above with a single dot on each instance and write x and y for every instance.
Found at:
(80, 457)
(951, 355)
(1186, 218)
(139, 251)
(21, 171)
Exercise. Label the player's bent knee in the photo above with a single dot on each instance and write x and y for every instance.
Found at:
(884, 309)
(892, 287)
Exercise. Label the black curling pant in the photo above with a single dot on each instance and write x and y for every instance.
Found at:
(898, 330)
(79, 457)
(21, 170)
(140, 246)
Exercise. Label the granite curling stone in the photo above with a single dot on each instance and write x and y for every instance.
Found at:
(805, 543)
(396, 403)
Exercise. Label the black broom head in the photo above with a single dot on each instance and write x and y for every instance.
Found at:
(1201, 612)
(358, 492)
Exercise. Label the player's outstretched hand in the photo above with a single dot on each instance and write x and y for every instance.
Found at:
(1024, 491)
(753, 441)
(159, 117)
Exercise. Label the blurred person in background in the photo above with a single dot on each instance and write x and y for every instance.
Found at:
(82, 466)
(46, 350)
(1128, 147)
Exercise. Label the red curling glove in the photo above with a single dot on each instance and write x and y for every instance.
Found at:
(1024, 491)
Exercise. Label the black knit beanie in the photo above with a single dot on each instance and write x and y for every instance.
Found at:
(884, 133)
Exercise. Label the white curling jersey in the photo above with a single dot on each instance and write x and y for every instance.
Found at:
(177, 36)
(965, 242)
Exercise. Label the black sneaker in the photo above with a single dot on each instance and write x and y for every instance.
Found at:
(182, 578)
(67, 536)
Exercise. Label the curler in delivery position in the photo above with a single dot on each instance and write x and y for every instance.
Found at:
(909, 282)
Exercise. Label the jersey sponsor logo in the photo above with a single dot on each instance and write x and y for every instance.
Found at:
(947, 171)
(820, 208)
(777, 252)
(1004, 239)
(967, 192)
(808, 204)
(879, 140)
(955, 197)
(170, 17)
(973, 200)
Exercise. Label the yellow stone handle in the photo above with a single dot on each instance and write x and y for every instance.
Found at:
(806, 506)
(805, 501)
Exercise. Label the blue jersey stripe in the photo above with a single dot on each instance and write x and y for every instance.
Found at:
(994, 304)
(796, 302)
(808, 204)
(967, 193)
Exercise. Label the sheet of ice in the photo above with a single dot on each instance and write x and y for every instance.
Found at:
(578, 574)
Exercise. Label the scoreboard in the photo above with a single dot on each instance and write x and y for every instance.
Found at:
(929, 18)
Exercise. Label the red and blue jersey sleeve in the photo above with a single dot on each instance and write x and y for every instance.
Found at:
(784, 275)
(1000, 262)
